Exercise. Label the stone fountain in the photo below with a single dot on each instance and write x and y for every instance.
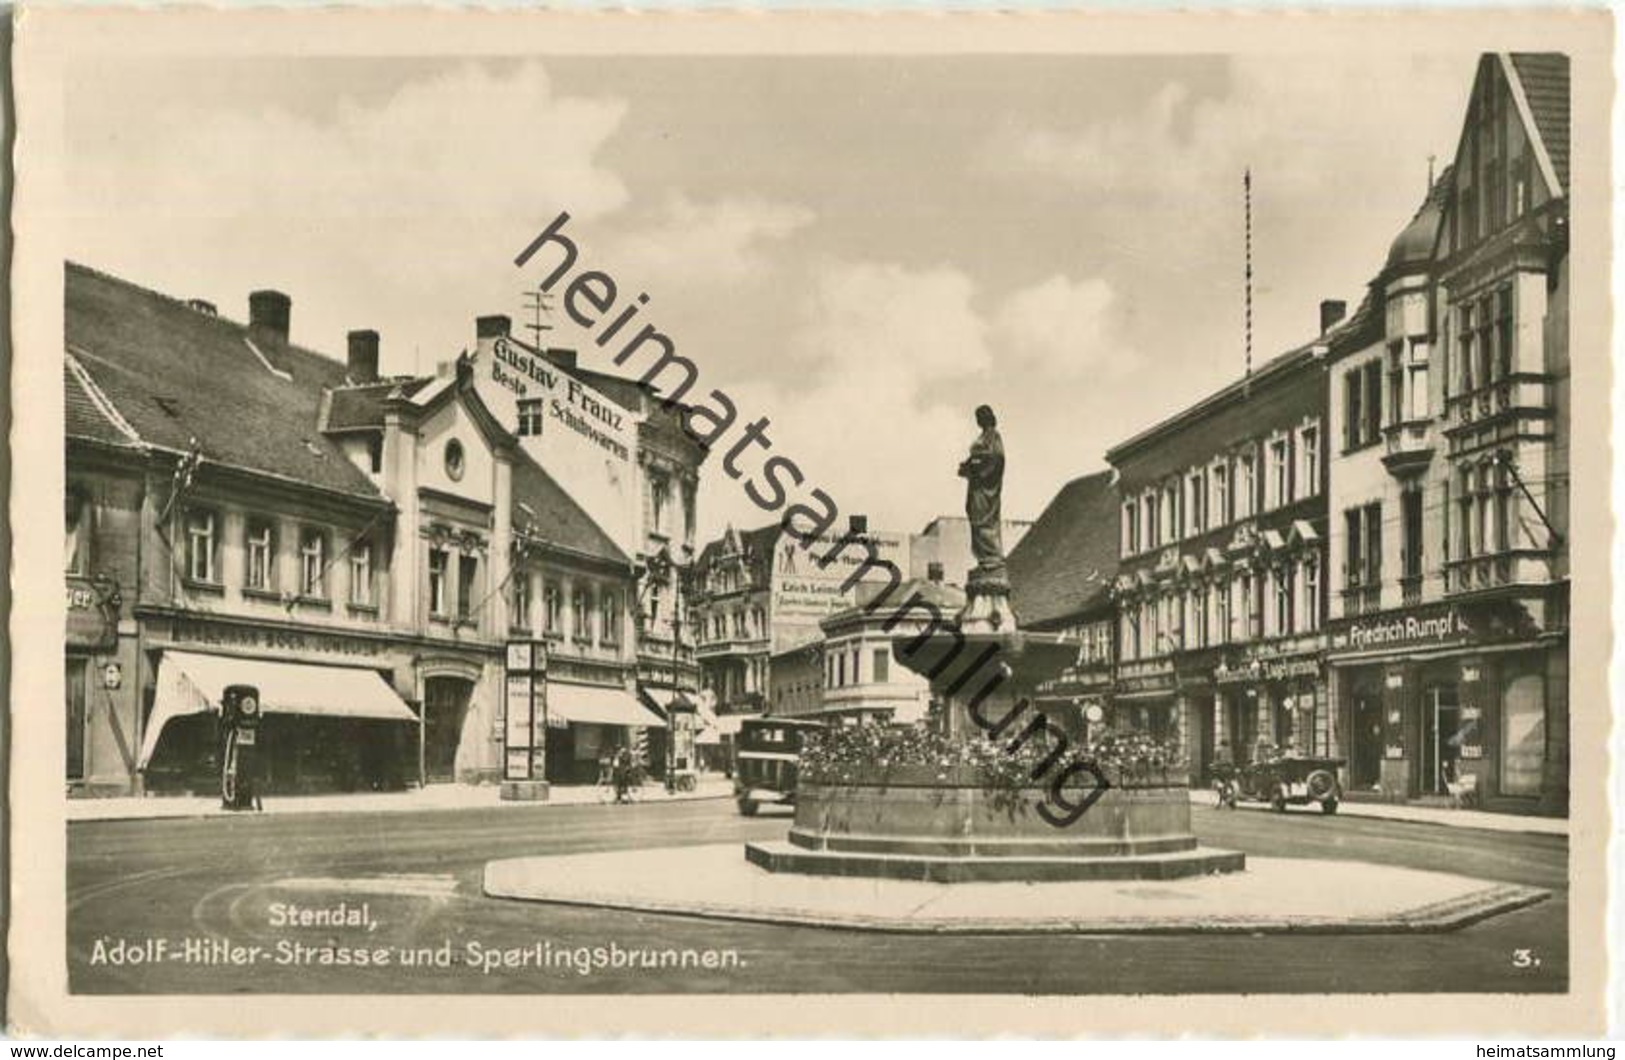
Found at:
(945, 823)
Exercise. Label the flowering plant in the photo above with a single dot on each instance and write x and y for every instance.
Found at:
(868, 754)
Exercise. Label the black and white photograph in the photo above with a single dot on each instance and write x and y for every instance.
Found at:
(1001, 510)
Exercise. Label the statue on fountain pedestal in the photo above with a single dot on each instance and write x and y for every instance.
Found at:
(987, 587)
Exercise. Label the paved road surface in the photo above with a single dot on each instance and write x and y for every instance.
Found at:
(419, 875)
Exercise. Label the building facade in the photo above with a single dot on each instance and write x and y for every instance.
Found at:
(1448, 635)
(361, 548)
(1221, 582)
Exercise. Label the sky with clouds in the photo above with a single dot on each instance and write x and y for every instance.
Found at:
(861, 249)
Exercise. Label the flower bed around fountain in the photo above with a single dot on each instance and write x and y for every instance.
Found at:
(913, 804)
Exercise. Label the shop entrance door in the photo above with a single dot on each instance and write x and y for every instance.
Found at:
(1201, 751)
(445, 703)
(1441, 717)
(1365, 763)
(1242, 717)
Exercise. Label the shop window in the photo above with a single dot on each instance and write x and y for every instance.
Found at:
(1523, 735)
(259, 549)
(439, 559)
(313, 564)
(202, 546)
(361, 574)
(78, 531)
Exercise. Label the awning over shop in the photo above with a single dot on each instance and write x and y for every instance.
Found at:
(191, 683)
(598, 706)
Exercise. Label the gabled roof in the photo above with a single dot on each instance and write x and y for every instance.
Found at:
(173, 373)
(1066, 563)
(361, 407)
(87, 413)
(1545, 80)
(544, 512)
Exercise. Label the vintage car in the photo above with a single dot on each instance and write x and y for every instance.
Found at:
(767, 752)
(1294, 780)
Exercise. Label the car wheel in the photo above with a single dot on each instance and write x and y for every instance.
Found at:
(1329, 806)
(747, 807)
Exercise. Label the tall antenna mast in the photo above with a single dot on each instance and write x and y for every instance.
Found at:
(539, 304)
(1247, 198)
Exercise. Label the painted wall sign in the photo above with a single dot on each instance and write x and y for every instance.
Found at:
(1268, 670)
(270, 638)
(1420, 627)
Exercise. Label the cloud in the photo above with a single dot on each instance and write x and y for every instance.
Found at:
(722, 242)
(1065, 328)
(403, 211)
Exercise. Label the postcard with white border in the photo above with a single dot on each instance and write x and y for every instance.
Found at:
(773, 524)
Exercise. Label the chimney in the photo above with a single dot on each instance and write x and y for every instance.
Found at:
(1331, 311)
(363, 359)
(933, 572)
(202, 305)
(857, 525)
(562, 356)
(268, 313)
(492, 326)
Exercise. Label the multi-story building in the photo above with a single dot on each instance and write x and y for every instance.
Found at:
(634, 467)
(759, 594)
(1449, 505)
(242, 509)
(1221, 574)
(861, 677)
(1061, 578)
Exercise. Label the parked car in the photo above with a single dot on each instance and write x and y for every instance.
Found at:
(767, 754)
(1288, 780)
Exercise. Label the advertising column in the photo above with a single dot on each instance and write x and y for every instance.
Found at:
(524, 722)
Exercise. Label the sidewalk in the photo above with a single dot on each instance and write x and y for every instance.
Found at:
(1491, 822)
(419, 800)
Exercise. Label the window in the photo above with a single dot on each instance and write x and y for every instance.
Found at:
(552, 609)
(609, 617)
(375, 453)
(1172, 516)
(1246, 495)
(1131, 529)
(1417, 408)
(1279, 483)
(1362, 397)
(840, 670)
(361, 573)
(201, 560)
(530, 418)
(579, 629)
(1196, 501)
(77, 686)
(78, 532)
(1308, 462)
(519, 600)
(1253, 599)
(657, 503)
(260, 553)
(1372, 431)
(313, 564)
(456, 461)
(1284, 576)
(1198, 622)
(856, 658)
(1311, 593)
(654, 604)
(1373, 544)
(1466, 337)
(1153, 535)
(1503, 509)
(1396, 382)
(1354, 538)
(467, 574)
(1465, 501)
(438, 560)
(1410, 517)
(1504, 337)
(1220, 513)
(882, 663)
(1222, 619)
